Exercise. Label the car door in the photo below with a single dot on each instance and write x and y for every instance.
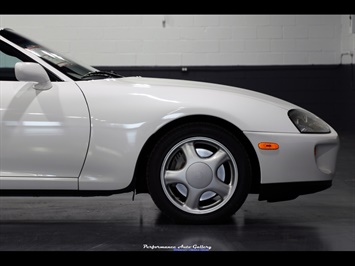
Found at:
(44, 134)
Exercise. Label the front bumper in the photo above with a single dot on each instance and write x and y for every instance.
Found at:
(302, 160)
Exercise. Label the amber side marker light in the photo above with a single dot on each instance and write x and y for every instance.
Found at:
(268, 146)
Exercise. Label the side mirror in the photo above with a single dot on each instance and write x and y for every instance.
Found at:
(25, 71)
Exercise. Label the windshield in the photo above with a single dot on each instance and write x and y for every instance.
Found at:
(69, 67)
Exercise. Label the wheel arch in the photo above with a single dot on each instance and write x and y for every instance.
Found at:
(140, 172)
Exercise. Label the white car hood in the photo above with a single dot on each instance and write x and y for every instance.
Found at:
(170, 83)
(166, 99)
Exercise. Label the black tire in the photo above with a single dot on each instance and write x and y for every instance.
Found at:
(199, 173)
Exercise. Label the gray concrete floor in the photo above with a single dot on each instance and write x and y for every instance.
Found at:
(324, 221)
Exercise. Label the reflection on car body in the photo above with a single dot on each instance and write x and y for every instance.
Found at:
(197, 148)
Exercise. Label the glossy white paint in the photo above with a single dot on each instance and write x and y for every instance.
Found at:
(126, 112)
(38, 183)
(43, 133)
(295, 160)
(28, 71)
(87, 135)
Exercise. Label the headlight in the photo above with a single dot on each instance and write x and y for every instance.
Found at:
(307, 122)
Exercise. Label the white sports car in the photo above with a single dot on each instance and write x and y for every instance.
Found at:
(197, 148)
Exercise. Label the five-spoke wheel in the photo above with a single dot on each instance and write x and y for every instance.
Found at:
(199, 173)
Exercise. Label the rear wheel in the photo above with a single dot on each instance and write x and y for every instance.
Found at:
(199, 173)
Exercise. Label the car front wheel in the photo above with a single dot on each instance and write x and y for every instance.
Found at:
(199, 173)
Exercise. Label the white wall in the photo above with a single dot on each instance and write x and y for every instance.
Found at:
(142, 40)
(347, 39)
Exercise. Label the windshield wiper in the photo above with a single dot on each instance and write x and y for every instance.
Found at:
(104, 74)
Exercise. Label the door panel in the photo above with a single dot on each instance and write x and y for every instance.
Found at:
(42, 133)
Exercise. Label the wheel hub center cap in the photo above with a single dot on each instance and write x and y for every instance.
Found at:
(199, 175)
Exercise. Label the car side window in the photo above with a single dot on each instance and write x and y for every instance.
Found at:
(7, 63)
